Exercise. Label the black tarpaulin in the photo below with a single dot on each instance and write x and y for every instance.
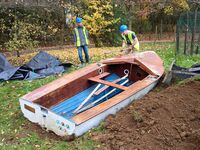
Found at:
(176, 72)
(42, 61)
(4, 64)
(40, 66)
(193, 69)
(6, 69)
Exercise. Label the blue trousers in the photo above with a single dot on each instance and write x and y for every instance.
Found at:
(85, 49)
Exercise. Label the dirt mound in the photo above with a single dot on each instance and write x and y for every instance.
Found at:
(166, 119)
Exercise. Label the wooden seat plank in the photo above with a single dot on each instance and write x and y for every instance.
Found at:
(94, 79)
(105, 87)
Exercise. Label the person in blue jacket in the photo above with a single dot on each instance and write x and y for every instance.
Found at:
(81, 40)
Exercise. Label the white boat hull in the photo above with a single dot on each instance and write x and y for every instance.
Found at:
(64, 127)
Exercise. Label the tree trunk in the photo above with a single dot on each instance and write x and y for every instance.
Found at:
(130, 23)
(97, 42)
(63, 28)
(186, 35)
(18, 54)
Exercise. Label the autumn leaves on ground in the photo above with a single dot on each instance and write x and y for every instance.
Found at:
(70, 55)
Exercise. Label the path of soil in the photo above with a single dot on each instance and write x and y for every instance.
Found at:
(166, 119)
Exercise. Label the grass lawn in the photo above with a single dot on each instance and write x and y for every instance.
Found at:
(16, 131)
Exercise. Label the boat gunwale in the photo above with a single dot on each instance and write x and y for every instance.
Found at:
(70, 78)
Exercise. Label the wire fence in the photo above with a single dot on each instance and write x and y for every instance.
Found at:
(188, 33)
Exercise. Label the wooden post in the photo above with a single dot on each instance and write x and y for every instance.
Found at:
(193, 32)
(174, 34)
(198, 45)
(186, 34)
(177, 39)
(156, 34)
(185, 42)
(161, 28)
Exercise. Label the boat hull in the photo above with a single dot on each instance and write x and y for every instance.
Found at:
(63, 127)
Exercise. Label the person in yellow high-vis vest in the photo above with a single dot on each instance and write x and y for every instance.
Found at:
(81, 40)
(130, 42)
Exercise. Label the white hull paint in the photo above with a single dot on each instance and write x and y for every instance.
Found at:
(63, 127)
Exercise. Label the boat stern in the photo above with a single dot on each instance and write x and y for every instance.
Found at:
(47, 119)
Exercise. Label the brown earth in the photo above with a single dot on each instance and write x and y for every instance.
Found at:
(166, 119)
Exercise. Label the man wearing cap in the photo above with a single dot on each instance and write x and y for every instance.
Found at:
(130, 41)
(81, 40)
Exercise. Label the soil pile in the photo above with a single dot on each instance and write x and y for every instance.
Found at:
(166, 119)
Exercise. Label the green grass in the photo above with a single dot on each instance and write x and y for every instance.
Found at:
(14, 135)
(167, 53)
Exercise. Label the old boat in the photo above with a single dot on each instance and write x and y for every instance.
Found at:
(79, 101)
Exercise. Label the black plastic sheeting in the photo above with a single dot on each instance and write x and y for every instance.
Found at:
(183, 73)
(40, 66)
(180, 73)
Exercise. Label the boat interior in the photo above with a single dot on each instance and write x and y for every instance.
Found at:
(92, 89)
